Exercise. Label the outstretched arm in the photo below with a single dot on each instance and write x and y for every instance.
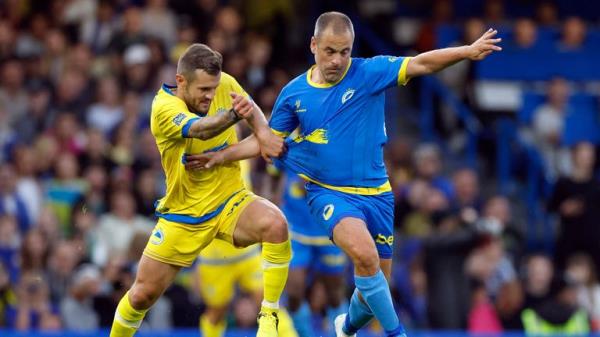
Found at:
(247, 148)
(436, 60)
(207, 127)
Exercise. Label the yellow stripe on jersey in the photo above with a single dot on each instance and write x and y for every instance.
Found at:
(402, 80)
(193, 196)
(385, 187)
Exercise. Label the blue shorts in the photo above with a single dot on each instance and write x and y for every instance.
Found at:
(328, 207)
(323, 259)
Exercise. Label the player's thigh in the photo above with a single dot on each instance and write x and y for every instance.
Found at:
(353, 237)
(179, 244)
(217, 284)
(259, 221)
(379, 212)
(329, 208)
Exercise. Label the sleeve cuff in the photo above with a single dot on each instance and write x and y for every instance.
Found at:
(186, 128)
(402, 79)
(280, 133)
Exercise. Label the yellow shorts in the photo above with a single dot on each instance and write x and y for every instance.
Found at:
(179, 244)
(219, 278)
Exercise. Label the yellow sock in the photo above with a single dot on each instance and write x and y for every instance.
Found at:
(211, 330)
(286, 326)
(127, 319)
(276, 261)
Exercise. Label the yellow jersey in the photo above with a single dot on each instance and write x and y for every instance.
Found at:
(193, 197)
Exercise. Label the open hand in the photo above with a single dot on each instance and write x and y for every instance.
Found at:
(485, 45)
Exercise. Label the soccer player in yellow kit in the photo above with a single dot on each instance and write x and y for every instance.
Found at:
(220, 268)
(197, 116)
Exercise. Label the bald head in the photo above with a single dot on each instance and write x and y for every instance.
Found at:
(338, 22)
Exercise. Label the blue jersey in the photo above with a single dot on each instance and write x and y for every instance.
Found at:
(341, 125)
(296, 210)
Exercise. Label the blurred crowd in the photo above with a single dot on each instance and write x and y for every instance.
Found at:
(79, 170)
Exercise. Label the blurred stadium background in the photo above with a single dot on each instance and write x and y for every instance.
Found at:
(493, 163)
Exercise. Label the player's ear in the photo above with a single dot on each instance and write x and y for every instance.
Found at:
(180, 80)
(313, 45)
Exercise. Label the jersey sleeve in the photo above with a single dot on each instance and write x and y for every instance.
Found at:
(283, 118)
(174, 121)
(386, 71)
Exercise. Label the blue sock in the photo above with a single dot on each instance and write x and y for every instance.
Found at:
(376, 292)
(302, 319)
(332, 312)
(359, 314)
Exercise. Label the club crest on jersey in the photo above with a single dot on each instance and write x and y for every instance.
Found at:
(179, 118)
(157, 237)
(328, 212)
(347, 95)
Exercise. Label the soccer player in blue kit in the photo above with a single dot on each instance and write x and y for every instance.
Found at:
(338, 106)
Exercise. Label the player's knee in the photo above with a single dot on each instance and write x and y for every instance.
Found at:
(274, 227)
(142, 297)
(365, 260)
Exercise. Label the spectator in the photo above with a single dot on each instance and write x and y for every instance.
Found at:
(64, 257)
(574, 33)
(146, 192)
(117, 228)
(39, 115)
(8, 299)
(34, 252)
(538, 275)
(107, 112)
(65, 189)
(96, 151)
(34, 309)
(466, 188)
(77, 310)
(258, 51)
(546, 14)
(524, 34)
(97, 32)
(559, 314)
(446, 252)
(7, 134)
(12, 90)
(548, 125)
(130, 33)
(574, 199)
(96, 198)
(441, 14)
(10, 241)
(582, 272)
(498, 208)
(428, 167)
(159, 21)
(11, 202)
(27, 185)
